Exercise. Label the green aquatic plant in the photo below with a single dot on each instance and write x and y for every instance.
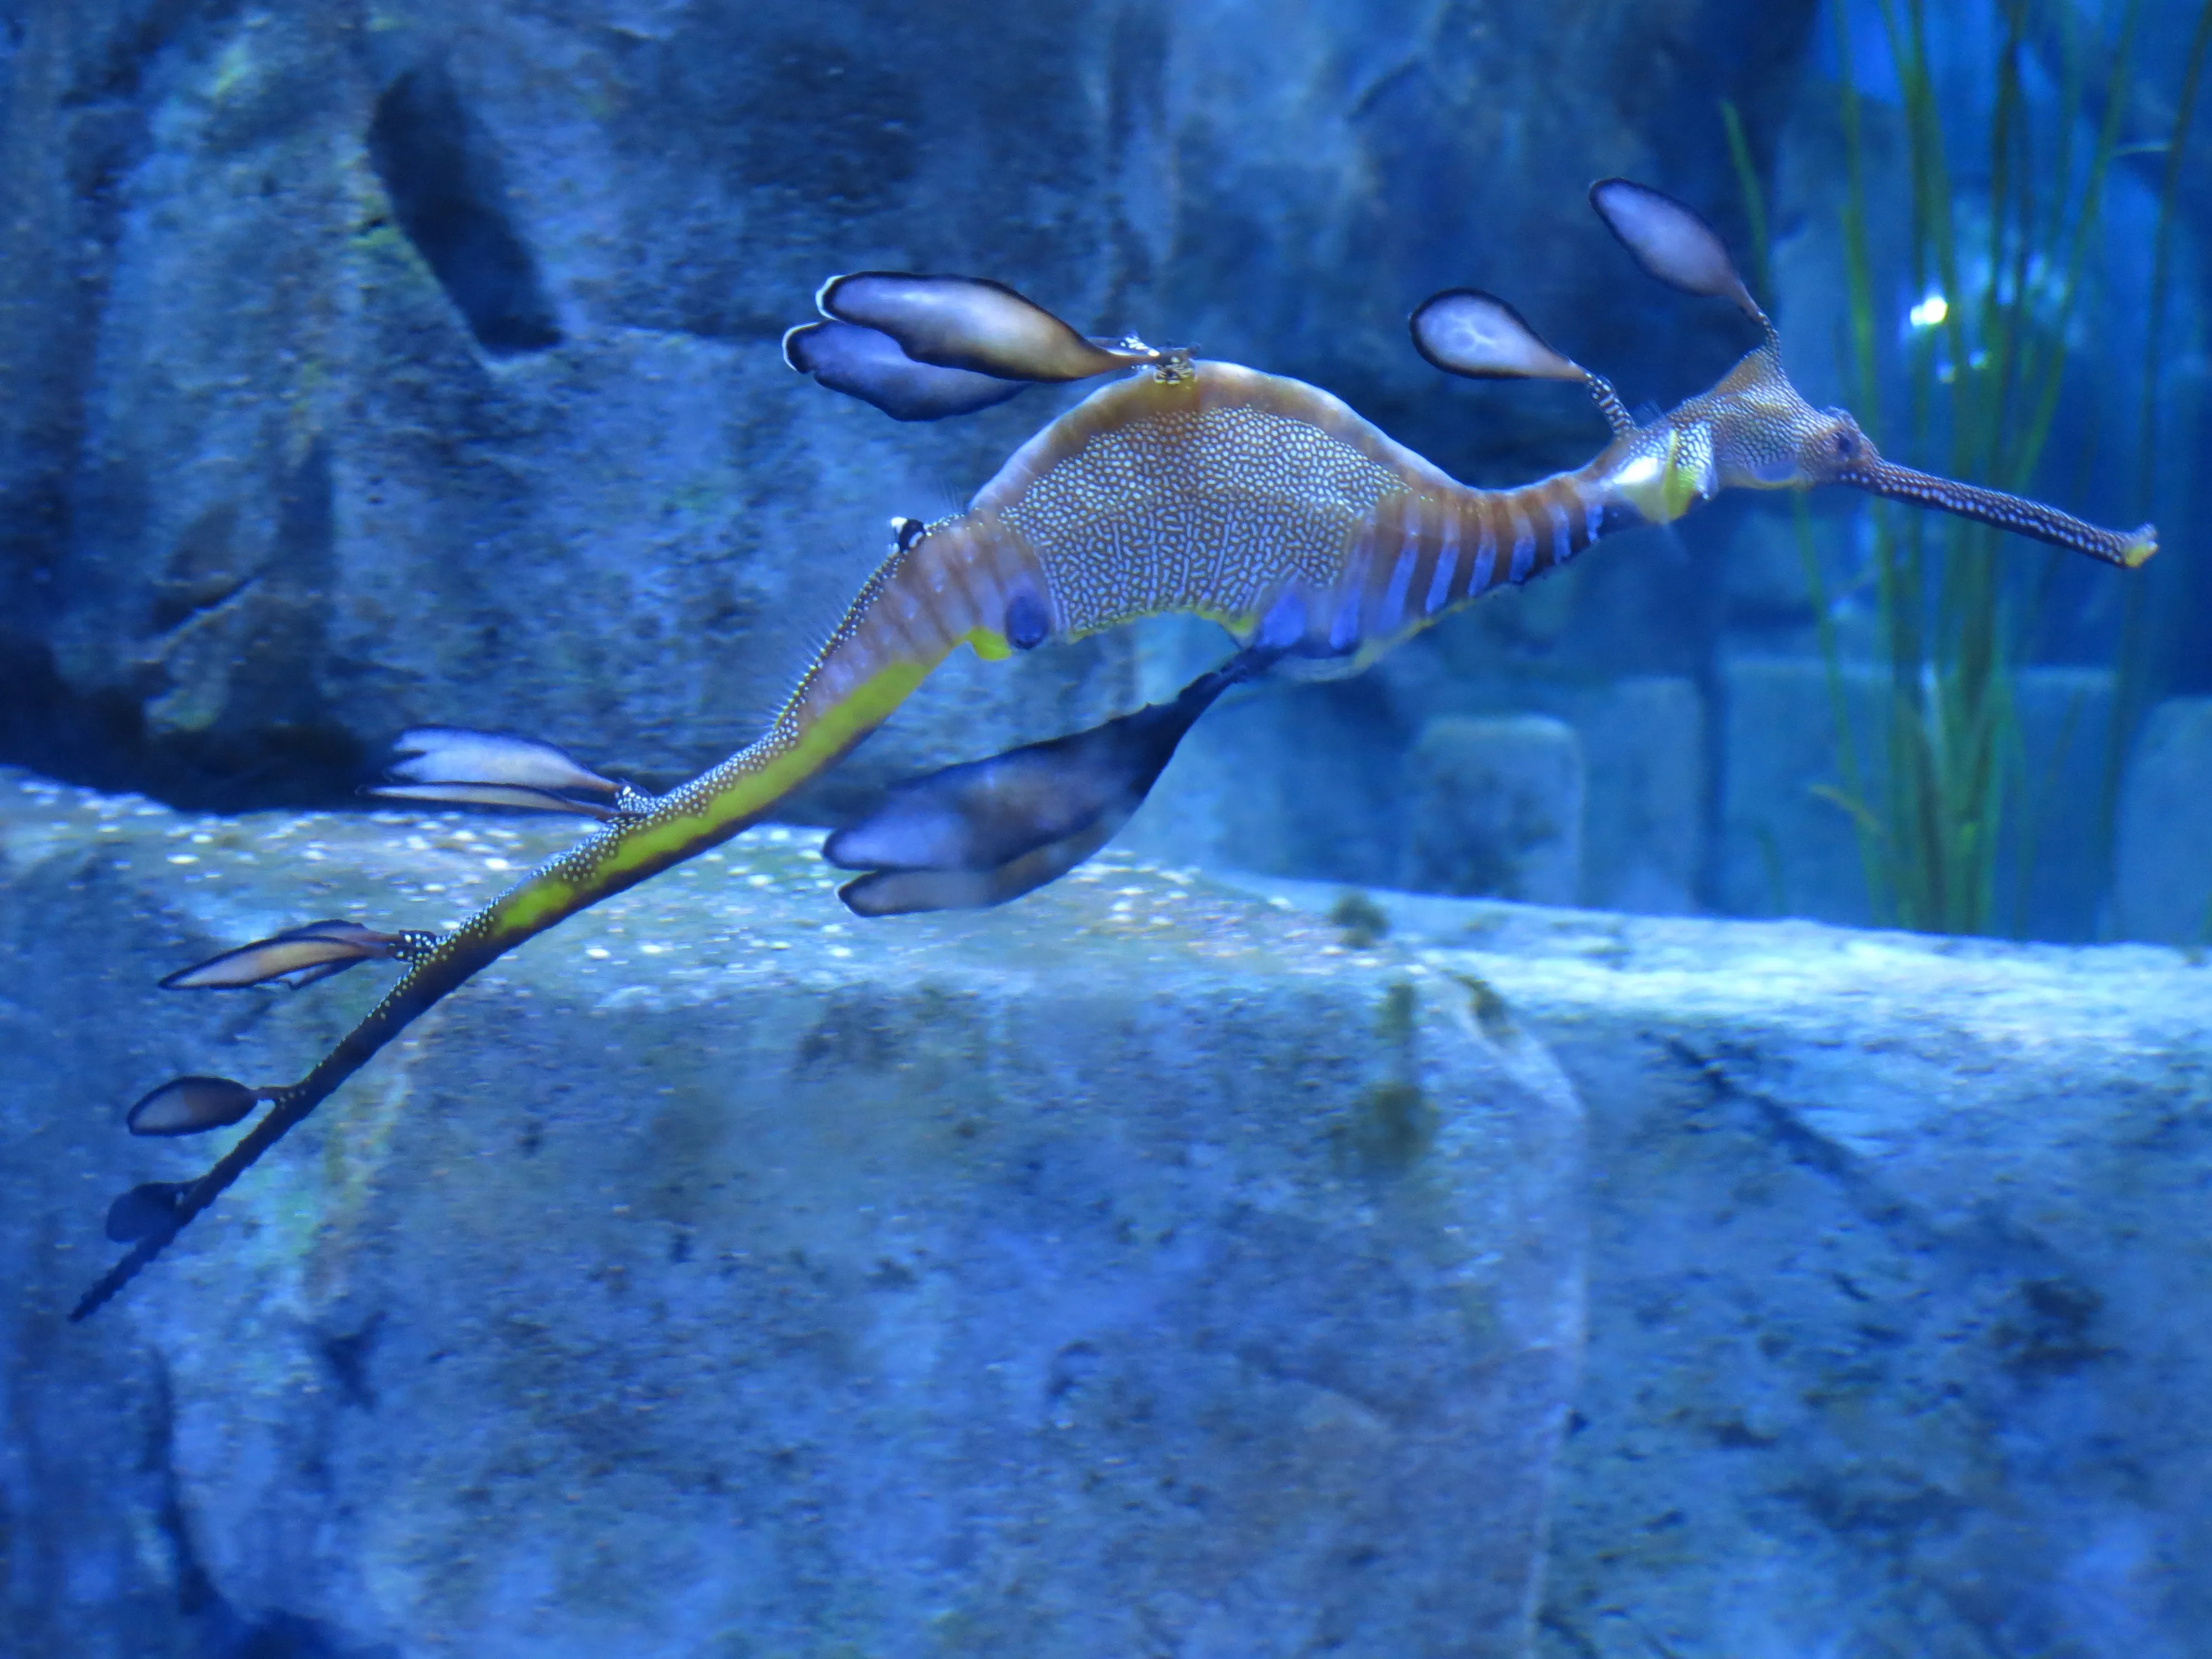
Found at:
(1983, 366)
(1260, 502)
(2131, 690)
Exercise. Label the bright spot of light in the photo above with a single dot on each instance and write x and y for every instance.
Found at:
(1930, 311)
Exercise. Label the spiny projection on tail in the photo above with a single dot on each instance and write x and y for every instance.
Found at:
(1256, 501)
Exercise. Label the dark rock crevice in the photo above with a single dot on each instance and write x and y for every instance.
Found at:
(222, 1631)
(100, 738)
(448, 193)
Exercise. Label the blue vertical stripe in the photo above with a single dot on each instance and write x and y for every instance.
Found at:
(1392, 611)
(1344, 627)
(1447, 560)
(1524, 549)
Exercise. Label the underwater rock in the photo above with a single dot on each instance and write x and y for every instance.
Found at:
(1135, 1267)
(1314, 781)
(1494, 809)
(2162, 859)
(1293, 779)
(1644, 814)
(1785, 850)
(426, 371)
(1901, 1320)
(1900, 1284)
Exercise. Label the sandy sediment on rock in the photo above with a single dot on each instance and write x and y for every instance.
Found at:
(1137, 1259)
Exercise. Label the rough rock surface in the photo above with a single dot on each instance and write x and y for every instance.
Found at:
(2162, 865)
(1495, 809)
(1899, 1265)
(1134, 1270)
(417, 361)
(1901, 1286)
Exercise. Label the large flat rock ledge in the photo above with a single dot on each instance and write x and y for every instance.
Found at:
(1137, 1270)
(1900, 1285)
(1147, 1268)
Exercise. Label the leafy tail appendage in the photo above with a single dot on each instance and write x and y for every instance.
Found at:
(935, 591)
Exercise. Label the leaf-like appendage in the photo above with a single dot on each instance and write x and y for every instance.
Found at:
(190, 1105)
(968, 322)
(453, 754)
(867, 364)
(314, 952)
(909, 892)
(982, 832)
(1671, 242)
(1463, 330)
(145, 1210)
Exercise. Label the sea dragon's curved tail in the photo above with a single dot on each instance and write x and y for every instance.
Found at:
(930, 594)
(1260, 502)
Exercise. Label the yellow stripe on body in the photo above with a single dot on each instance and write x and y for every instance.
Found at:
(905, 620)
(988, 644)
(630, 853)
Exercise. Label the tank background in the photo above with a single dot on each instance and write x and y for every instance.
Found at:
(1684, 662)
(269, 491)
(418, 364)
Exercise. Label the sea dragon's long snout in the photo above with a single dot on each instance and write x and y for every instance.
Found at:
(1753, 430)
(1257, 502)
(2034, 520)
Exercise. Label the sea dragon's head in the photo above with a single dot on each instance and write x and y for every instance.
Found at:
(1753, 430)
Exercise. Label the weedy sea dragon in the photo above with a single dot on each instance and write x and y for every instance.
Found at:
(1262, 503)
